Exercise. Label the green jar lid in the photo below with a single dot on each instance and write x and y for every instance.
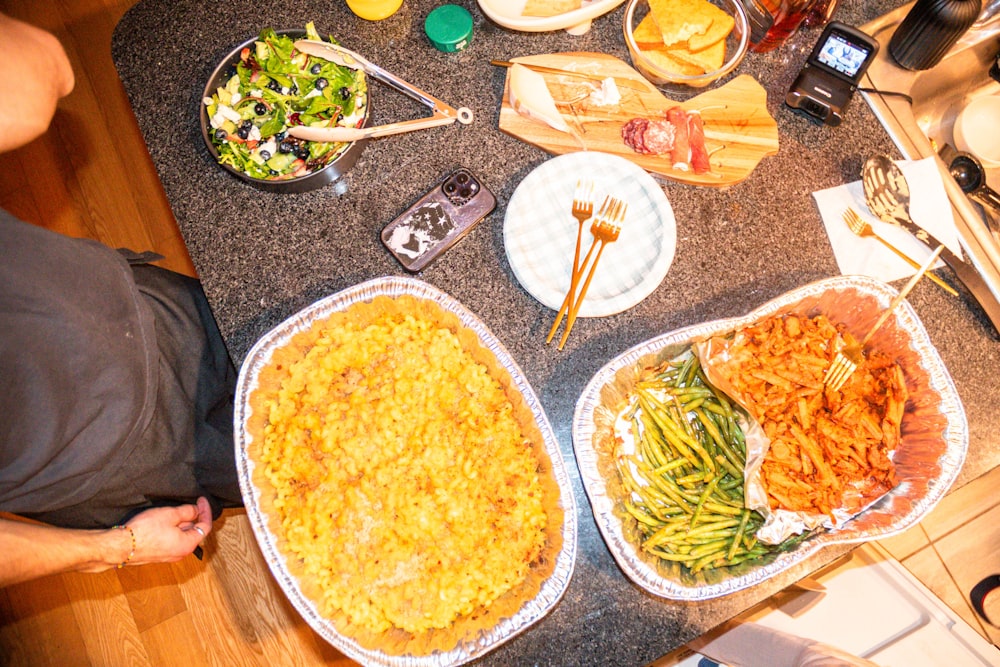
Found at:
(449, 27)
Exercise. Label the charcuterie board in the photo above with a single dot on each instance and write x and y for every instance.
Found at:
(739, 131)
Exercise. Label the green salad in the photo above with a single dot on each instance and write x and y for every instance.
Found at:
(275, 86)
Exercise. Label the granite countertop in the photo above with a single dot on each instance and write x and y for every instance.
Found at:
(264, 256)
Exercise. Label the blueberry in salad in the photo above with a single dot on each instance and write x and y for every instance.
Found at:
(275, 86)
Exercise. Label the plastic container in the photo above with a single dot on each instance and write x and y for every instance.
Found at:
(929, 30)
(374, 10)
(449, 27)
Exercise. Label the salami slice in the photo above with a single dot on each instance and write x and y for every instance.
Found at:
(632, 133)
(659, 137)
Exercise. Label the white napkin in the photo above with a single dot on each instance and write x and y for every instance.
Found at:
(929, 208)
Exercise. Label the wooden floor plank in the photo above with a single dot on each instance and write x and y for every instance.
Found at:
(17, 195)
(92, 26)
(38, 626)
(243, 568)
(175, 643)
(152, 594)
(213, 617)
(49, 201)
(105, 620)
(970, 554)
(240, 612)
(95, 179)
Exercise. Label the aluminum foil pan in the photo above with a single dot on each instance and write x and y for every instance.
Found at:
(532, 611)
(935, 435)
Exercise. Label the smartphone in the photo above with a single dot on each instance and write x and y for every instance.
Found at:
(831, 74)
(438, 220)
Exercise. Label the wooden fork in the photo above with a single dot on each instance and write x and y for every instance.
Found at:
(583, 210)
(605, 230)
(851, 356)
(860, 226)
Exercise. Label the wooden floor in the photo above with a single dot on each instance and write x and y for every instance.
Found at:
(91, 176)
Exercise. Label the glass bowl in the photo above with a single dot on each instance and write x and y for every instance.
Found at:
(663, 69)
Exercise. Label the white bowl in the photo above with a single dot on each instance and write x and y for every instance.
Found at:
(976, 130)
(576, 22)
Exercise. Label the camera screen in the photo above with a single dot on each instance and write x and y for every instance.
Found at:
(841, 54)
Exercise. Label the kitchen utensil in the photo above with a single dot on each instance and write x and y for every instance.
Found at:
(739, 130)
(605, 230)
(442, 113)
(929, 30)
(542, 69)
(860, 226)
(850, 357)
(968, 172)
(583, 210)
(888, 197)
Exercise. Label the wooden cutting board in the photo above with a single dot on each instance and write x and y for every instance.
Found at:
(739, 131)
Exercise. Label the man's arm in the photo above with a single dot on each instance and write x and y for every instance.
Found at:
(35, 74)
(162, 535)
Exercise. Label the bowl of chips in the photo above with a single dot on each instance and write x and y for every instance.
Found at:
(686, 42)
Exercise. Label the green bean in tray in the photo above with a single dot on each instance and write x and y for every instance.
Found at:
(685, 477)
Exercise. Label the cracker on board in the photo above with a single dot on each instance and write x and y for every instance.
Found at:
(542, 8)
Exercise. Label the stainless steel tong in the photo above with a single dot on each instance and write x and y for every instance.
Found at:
(442, 113)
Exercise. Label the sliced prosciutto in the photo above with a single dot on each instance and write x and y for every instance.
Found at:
(696, 137)
(680, 154)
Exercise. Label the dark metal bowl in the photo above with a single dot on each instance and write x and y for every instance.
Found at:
(316, 179)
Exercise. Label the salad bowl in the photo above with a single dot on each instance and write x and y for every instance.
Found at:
(229, 150)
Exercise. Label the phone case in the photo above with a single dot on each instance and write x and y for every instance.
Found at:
(438, 220)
